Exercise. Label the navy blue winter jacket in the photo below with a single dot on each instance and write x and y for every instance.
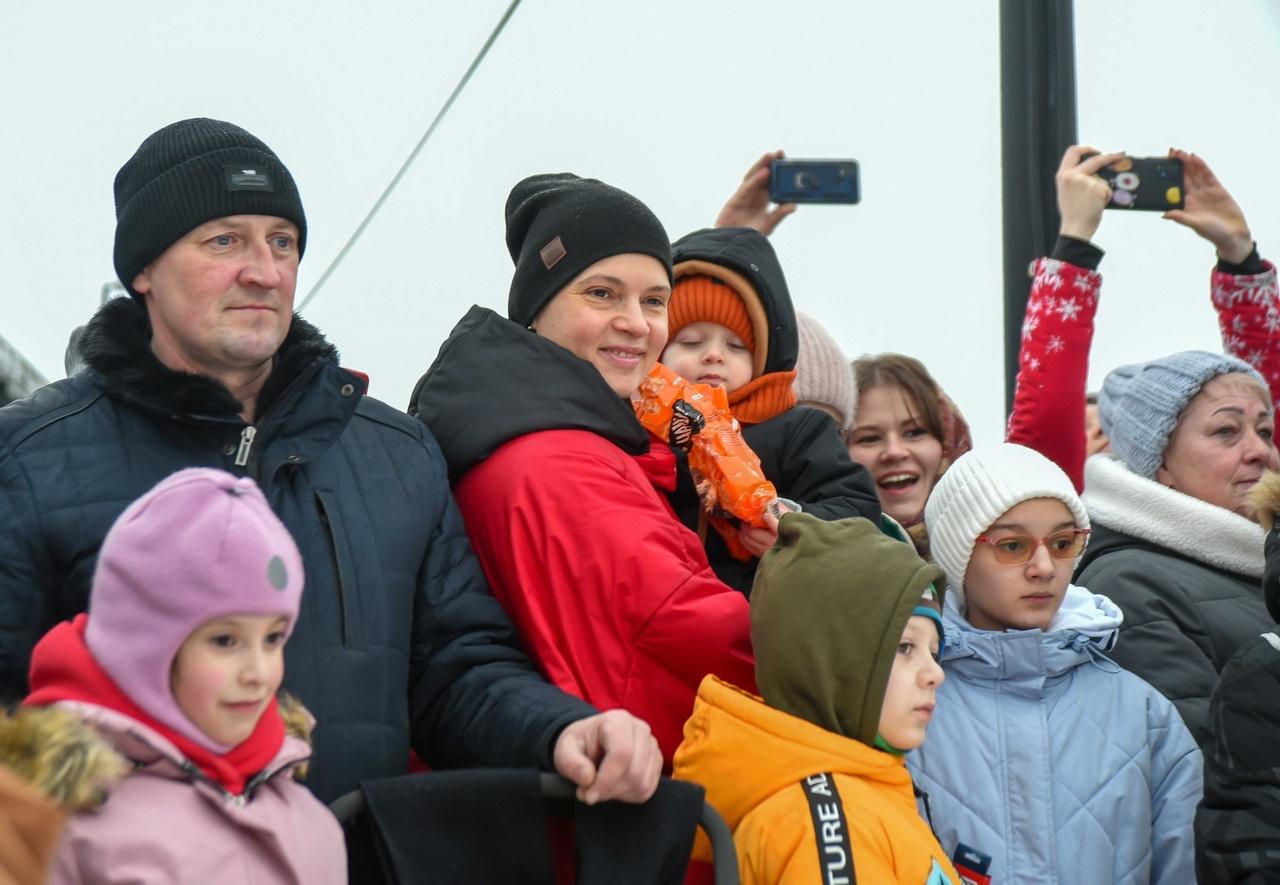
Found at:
(398, 636)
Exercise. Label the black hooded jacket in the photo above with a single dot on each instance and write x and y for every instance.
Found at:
(397, 638)
(800, 450)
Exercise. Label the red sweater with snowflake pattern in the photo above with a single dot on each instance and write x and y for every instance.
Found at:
(1053, 365)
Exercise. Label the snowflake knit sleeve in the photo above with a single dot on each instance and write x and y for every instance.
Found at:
(1053, 364)
(1249, 317)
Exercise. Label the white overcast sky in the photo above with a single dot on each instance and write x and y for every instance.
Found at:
(669, 100)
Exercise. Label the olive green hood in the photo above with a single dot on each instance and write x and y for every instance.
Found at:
(828, 608)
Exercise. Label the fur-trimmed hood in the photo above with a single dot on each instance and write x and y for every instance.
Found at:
(73, 753)
(116, 348)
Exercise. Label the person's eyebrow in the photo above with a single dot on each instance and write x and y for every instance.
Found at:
(1236, 409)
(1008, 527)
(615, 281)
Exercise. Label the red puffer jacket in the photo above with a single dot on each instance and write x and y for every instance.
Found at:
(613, 596)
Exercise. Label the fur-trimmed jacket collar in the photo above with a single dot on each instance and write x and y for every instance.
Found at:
(1123, 501)
(73, 753)
(116, 347)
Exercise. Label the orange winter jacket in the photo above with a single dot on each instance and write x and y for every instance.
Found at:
(754, 762)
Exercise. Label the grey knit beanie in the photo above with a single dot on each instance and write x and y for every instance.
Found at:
(980, 487)
(823, 374)
(1140, 404)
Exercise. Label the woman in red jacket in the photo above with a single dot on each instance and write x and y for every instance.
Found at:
(560, 486)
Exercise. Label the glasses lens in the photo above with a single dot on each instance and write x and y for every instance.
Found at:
(1013, 549)
(1066, 544)
(1018, 549)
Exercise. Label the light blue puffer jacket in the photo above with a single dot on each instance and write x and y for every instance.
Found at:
(1050, 758)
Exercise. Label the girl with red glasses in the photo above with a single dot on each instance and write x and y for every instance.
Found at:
(1046, 762)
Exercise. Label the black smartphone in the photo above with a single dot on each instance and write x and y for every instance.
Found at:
(814, 181)
(1153, 184)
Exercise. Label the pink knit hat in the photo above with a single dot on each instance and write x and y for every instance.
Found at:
(200, 545)
(823, 374)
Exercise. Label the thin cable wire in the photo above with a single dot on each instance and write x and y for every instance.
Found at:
(413, 155)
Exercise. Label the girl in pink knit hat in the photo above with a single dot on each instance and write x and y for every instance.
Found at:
(175, 670)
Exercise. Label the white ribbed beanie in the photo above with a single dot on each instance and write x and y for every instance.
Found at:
(980, 487)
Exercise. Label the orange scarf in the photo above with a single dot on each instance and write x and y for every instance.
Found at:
(763, 398)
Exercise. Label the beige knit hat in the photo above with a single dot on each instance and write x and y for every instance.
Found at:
(823, 374)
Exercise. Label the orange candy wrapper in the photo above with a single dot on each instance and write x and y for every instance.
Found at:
(696, 418)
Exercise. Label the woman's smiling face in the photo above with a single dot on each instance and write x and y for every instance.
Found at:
(891, 440)
(614, 316)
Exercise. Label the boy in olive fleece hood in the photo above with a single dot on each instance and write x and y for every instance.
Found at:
(811, 779)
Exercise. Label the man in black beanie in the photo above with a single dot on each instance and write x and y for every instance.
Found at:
(398, 642)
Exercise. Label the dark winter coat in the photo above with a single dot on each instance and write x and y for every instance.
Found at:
(800, 449)
(1183, 619)
(1186, 575)
(1238, 823)
(397, 637)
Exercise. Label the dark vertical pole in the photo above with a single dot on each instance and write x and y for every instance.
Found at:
(1038, 122)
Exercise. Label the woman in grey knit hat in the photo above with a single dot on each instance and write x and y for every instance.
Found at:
(1175, 542)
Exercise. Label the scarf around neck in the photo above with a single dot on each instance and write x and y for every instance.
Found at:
(763, 398)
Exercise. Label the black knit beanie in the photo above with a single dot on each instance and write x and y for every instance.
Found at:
(191, 172)
(559, 225)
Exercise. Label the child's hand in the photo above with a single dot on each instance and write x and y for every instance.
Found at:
(759, 541)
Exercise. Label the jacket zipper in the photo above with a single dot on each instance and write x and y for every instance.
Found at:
(251, 786)
(337, 567)
(928, 812)
(246, 445)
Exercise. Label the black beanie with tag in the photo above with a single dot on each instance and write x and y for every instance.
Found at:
(559, 225)
(191, 172)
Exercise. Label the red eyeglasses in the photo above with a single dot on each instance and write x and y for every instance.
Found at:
(1018, 549)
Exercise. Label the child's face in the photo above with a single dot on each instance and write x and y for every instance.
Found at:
(708, 353)
(227, 671)
(1026, 596)
(913, 684)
